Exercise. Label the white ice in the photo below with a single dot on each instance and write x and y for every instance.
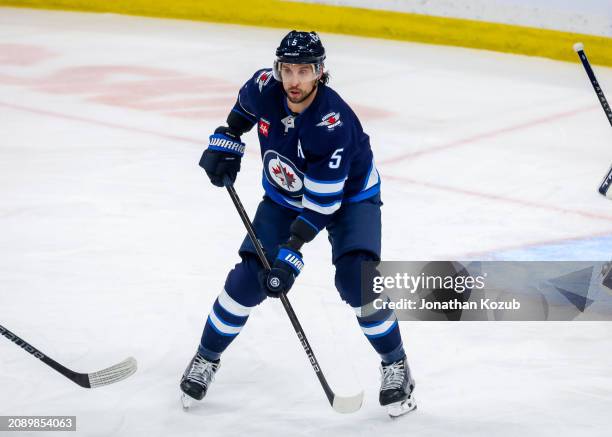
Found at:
(113, 243)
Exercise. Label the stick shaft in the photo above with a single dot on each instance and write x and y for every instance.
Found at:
(604, 187)
(80, 379)
(283, 297)
(600, 95)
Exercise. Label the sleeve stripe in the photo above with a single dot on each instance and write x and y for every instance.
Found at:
(373, 177)
(322, 208)
(244, 115)
(324, 188)
(245, 110)
(308, 222)
(364, 194)
(326, 182)
(315, 193)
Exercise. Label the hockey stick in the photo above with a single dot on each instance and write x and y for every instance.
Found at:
(341, 404)
(579, 48)
(87, 380)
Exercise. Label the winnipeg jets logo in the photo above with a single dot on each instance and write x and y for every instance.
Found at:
(283, 174)
(331, 121)
(289, 122)
(263, 79)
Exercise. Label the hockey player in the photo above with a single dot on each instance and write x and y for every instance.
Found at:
(318, 172)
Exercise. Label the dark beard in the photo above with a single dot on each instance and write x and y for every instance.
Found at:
(303, 98)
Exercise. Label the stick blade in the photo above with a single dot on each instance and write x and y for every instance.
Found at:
(604, 188)
(113, 374)
(347, 404)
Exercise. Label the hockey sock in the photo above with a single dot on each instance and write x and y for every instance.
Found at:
(383, 334)
(223, 325)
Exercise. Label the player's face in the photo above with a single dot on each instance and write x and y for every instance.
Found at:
(299, 81)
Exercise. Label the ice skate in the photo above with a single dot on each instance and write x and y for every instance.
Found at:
(396, 388)
(198, 376)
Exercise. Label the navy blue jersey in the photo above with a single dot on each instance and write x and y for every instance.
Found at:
(313, 161)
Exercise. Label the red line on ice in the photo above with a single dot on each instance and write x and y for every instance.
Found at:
(200, 142)
(489, 134)
(499, 198)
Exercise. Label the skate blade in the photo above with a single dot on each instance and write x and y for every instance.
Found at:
(400, 408)
(186, 401)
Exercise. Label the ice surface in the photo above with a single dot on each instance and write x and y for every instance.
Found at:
(113, 243)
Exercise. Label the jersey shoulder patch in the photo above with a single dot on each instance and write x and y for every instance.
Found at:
(262, 78)
(333, 113)
(331, 121)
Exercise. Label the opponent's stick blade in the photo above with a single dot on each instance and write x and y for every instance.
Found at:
(348, 404)
(113, 374)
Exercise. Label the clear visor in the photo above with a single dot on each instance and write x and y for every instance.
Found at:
(301, 73)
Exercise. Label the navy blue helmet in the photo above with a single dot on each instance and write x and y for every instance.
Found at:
(300, 48)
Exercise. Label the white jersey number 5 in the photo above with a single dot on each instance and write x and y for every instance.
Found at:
(335, 159)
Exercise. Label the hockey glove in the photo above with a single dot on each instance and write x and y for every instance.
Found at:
(287, 265)
(221, 159)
